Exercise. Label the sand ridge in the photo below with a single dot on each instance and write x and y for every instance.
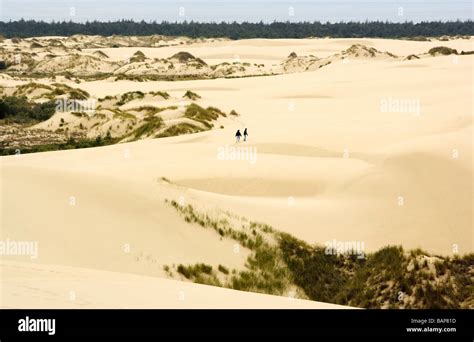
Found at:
(333, 162)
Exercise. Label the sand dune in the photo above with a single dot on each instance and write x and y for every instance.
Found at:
(333, 162)
(87, 210)
(157, 57)
(33, 286)
(271, 51)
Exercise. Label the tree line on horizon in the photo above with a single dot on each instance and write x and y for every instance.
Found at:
(375, 29)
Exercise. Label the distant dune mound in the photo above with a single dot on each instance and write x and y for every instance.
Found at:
(17, 60)
(100, 54)
(129, 116)
(185, 57)
(295, 63)
(292, 55)
(138, 57)
(76, 64)
(410, 57)
(362, 51)
(36, 45)
(56, 43)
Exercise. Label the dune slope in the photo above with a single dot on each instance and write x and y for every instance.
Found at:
(336, 158)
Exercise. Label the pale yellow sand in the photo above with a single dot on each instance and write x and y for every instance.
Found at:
(330, 165)
(57, 287)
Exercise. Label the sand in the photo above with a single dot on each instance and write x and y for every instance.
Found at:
(333, 162)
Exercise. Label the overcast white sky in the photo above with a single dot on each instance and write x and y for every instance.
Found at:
(237, 10)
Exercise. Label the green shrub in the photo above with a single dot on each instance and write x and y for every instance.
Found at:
(20, 110)
(163, 94)
(123, 115)
(223, 269)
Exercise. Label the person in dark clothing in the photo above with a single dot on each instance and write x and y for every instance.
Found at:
(238, 135)
(245, 134)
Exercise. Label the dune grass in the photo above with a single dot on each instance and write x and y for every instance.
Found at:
(152, 124)
(194, 270)
(179, 129)
(163, 94)
(199, 273)
(118, 114)
(52, 91)
(191, 95)
(442, 50)
(388, 278)
(203, 115)
(223, 269)
(147, 124)
(28, 88)
(152, 110)
(138, 57)
(72, 93)
(130, 96)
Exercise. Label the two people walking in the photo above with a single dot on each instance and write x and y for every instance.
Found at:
(238, 135)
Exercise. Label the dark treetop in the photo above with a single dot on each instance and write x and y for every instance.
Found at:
(31, 28)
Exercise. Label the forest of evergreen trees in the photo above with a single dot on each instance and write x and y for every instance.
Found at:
(31, 28)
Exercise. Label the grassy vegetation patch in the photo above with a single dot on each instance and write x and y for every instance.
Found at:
(15, 109)
(152, 123)
(138, 57)
(223, 269)
(72, 93)
(130, 96)
(179, 129)
(72, 143)
(163, 94)
(265, 272)
(28, 88)
(191, 95)
(199, 273)
(387, 278)
(186, 57)
(202, 115)
(320, 275)
(152, 110)
(442, 50)
(118, 114)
